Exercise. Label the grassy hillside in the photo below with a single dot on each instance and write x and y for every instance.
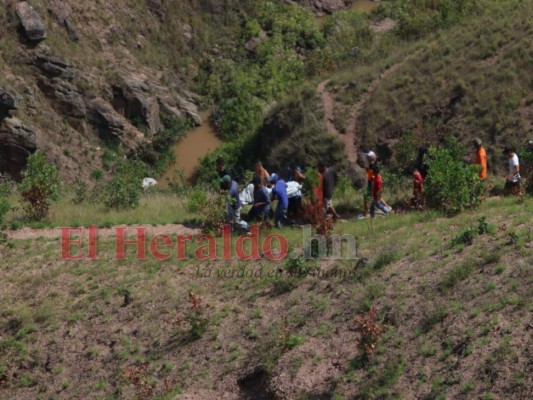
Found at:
(466, 81)
(456, 318)
(447, 301)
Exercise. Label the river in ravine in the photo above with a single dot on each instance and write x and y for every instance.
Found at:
(202, 140)
(199, 142)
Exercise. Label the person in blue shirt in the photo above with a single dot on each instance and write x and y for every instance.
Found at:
(261, 205)
(280, 191)
(233, 202)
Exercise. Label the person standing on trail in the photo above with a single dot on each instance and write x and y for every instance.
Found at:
(371, 160)
(233, 203)
(280, 192)
(261, 173)
(377, 192)
(513, 178)
(261, 204)
(418, 185)
(481, 158)
(330, 180)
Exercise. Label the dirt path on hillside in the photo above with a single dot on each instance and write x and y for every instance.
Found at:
(350, 139)
(151, 231)
(329, 104)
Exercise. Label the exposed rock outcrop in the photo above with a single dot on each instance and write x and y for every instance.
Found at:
(110, 125)
(53, 66)
(133, 100)
(8, 102)
(69, 101)
(31, 21)
(325, 6)
(77, 95)
(17, 142)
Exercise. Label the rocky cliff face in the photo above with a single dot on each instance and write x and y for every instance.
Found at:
(77, 75)
(324, 6)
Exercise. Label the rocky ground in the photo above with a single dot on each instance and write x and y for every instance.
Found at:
(71, 81)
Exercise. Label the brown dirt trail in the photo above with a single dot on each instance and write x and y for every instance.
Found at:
(55, 233)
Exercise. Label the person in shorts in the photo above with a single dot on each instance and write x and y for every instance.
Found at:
(513, 179)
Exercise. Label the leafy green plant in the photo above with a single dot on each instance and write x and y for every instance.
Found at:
(299, 266)
(464, 238)
(483, 226)
(452, 185)
(4, 206)
(124, 189)
(287, 340)
(80, 191)
(195, 201)
(39, 186)
(195, 317)
(214, 212)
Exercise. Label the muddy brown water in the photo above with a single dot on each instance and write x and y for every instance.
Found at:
(199, 142)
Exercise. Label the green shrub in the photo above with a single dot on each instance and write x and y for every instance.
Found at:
(6, 187)
(158, 154)
(196, 200)
(124, 189)
(418, 18)
(80, 191)
(237, 116)
(39, 186)
(196, 317)
(97, 175)
(299, 267)
(4, 206)
(452, 185)
(213, 209)
(465, 238)
(483, 226)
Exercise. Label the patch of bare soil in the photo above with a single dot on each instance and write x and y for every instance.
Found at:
(328, 104)
(55, 233)
(383, 26)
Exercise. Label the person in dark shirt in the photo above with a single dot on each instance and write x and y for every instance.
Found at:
(233, 203)
(330, 179)
(280, 192)
(261, 205)
(220, 166)
(421, 164)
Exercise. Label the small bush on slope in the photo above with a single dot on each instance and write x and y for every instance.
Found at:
(451, 184)
(39, 186)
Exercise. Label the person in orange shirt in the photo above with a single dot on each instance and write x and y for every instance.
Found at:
(481, 158)
(261, 173)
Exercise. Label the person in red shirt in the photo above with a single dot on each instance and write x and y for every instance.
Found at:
(377, 193)
(418, 184)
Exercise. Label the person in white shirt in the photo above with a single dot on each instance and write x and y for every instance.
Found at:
(513, 178)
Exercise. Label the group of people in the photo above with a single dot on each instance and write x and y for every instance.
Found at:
(266, 188)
